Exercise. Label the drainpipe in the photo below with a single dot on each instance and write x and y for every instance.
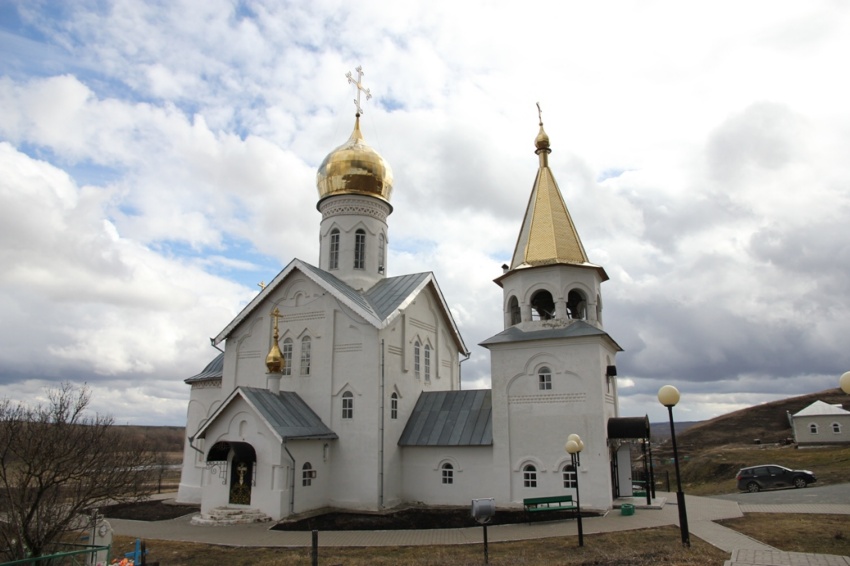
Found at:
(381, 437)
(460, 372)
(291, 480)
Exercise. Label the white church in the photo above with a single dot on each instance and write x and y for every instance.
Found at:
(339, 387)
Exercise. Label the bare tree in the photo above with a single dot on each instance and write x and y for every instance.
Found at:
(56, 462)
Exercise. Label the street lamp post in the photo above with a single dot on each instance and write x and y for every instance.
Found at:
(669, 396)
(574, 446)
(844, 382)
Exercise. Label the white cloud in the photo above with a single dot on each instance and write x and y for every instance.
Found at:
(155, 157)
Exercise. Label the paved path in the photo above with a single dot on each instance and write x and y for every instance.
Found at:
(702, 512)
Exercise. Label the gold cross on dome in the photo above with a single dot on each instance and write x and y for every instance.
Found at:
(359, 84)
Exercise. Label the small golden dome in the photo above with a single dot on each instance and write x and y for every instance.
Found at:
(541, 142)
(274, 360)
(354, 168)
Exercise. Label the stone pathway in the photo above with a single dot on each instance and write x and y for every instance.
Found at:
(702, 514)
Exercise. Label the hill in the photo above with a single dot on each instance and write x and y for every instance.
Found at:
(767, 423)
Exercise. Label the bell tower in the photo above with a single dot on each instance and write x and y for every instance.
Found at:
(552, 365)
(354, 184)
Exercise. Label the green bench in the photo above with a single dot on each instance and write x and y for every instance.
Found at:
(553, 503)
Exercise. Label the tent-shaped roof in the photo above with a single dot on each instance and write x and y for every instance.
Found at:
(821, 408)
(285, 413)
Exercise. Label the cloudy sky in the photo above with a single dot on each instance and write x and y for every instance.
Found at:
(158, 159)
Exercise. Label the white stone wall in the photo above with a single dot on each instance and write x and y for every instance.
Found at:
(825, 435)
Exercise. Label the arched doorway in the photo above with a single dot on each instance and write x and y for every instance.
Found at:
(242, 460)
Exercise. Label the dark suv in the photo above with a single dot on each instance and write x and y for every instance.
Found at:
(755, 478)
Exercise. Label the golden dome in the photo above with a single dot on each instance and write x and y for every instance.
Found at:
(354, 168)
(541, 142)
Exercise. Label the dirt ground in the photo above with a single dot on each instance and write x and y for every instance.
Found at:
(148, 511)
(415, 518)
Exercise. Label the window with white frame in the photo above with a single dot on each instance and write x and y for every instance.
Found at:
(360, 249)
(448, 473)
(347, 405)
(287, 356)
(569, 475)
(305, 355)
(529, 475)
(813, 428)
(416, 348)
(394, 406)
(427, 362)
(333, 262)
(836, 428)
(307, 474)
(544, 379)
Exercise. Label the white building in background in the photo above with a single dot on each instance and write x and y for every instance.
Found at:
(821, 423)
(339, 387)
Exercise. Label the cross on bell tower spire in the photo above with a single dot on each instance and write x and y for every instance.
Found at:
(359, 85)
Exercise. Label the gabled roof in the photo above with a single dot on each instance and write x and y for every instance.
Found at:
(450, 418)
(379, 305)
(575, 329)
(821, 408)
(214, 370)
(285, 413)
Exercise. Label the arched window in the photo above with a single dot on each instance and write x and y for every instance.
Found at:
(569, 474)
(347, 405)
(513, 310)
(576, 305)
(394, 406)
(305, 355)
(307, 474)
(416, 347)
(382, 253)
(529, 476)
(333, 262)
(360, 249)
(287, 356)
(813, 428)
(448, 473)
(544, 378)
(836, 428)
(542, 306)
(427, 362)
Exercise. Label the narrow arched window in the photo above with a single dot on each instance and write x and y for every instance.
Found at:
(394, 406)
(448, 473)
(813, 428)
(305, 355)
(427, 362)
(529, 476)
(333, 262)
(513, 310)
(287, 356)
(569, 475)
(347, 405)
(382, 253)
(360, 249)
(416, 347)
(544, 379)
(307, 474)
